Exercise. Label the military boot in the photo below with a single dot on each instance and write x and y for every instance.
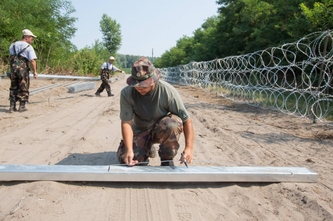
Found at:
(22, 106)
(12, 106)
(152, 152)
(167, 162)
(110, 94)
(98, 92)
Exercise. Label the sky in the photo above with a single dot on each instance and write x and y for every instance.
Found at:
(148, 27)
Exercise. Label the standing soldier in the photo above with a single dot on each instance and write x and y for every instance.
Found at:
(104, 72)
(21, 53)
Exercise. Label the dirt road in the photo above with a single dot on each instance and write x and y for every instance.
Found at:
(81, 129)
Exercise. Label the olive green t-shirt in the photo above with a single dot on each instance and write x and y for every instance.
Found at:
(145, 110)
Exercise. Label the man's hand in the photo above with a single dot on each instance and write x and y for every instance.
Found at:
(127, 134)
(128, 158)
(34, 67)
(187, 156)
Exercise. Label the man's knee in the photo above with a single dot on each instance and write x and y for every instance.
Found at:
(167, 129)
(141, 148)
(168, 151)
(120, 152)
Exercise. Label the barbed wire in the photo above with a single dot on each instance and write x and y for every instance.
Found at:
(293, 78)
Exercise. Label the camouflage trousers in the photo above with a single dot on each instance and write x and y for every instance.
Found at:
(165, 131)
(19, 85)
(105, 85)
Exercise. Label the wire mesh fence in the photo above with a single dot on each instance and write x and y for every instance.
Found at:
(292, 78)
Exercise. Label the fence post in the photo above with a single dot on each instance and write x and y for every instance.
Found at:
(320, 80)
(215, 78)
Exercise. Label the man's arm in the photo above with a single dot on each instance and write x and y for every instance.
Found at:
(189, 140)
(116, 69)
(34, 67)
(127, 134)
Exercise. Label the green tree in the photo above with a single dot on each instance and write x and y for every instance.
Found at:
(320, 16)
(170, 58)
(100, 50)
(50, 20)
(86, 61)
(89, 59)
(196, 48)
(122, 61)
(250, 25)
(111, 34)
(203, 44)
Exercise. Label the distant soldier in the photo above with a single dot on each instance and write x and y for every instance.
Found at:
(152, 111)
(21, 54)
(104, 73)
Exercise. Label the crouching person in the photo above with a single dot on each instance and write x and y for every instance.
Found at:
(151, 111)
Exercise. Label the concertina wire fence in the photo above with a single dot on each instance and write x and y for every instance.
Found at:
(293, 78)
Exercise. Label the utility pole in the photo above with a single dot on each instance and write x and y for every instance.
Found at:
(152, 54)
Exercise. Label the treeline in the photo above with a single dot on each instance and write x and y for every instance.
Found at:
(245, 26)
(54, 25)
(50, 20)
(127, 61)
(242, 26)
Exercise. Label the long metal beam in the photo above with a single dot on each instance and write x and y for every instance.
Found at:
(43, 88)
(65, 77)
(155, 173)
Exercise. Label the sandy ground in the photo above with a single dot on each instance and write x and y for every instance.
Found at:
(81, 129)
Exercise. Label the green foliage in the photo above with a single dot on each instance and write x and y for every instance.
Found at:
(111, 34)
(320, 16)
(250, 25)
(245, 26)
(196, 48)
(100, 50)
(86, 61)
(127, 61)
(242, 26)
(50, 20)
(204, 41)
(170, 58)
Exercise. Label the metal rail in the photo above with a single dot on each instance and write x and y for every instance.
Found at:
(44, 88)
(155, 173)
(66, 77)
(63, 77)
(59, 77)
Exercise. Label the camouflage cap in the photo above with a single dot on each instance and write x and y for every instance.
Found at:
(144, 74)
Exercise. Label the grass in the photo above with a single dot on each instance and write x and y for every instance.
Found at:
(286, 101)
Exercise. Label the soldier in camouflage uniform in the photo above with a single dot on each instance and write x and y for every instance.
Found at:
(151, 111)
(21, 53)
(104, 73)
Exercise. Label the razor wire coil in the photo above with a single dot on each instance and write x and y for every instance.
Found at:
(292, 78)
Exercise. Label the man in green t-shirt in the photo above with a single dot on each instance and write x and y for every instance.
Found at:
(151, 111)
